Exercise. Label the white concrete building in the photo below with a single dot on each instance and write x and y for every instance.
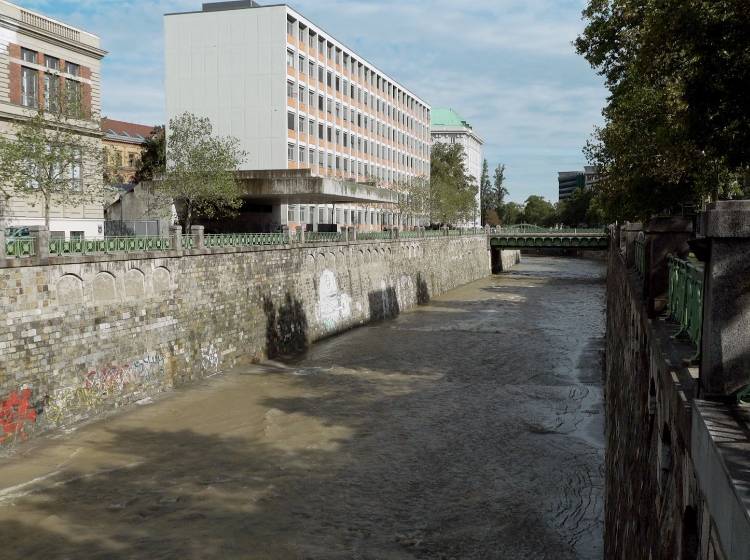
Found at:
(448, 127)
(297, 99)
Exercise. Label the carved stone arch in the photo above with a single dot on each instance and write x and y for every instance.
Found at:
(310, 261)
(135, 283)
(330, 260)
(69, 289)
(162, 279)
(104, 288)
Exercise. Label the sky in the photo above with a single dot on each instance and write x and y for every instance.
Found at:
(506, 66)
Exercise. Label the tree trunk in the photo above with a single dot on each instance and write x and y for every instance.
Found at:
(188, 216)
(46, 212)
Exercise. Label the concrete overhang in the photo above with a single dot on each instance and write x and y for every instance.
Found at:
(300, 187)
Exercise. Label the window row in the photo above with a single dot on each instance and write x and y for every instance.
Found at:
(57, 91)
(355, 92)
(326, 48)
(313, 156)
(357, 118)
(304, 214)
(346, 139)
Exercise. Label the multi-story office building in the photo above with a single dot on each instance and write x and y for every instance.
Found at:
(124, 143)
(591, 173)
(568, 182)
(333, 134)
(449, 128)
(39, 59)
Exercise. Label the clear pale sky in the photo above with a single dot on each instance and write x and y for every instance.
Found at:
(506, 66)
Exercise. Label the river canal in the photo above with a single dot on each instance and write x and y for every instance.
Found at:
(471, 428)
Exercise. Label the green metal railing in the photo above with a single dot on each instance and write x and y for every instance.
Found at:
(373, 235)
(640, 256)
(59, 247)
(243, 239)
(325, 236)
(686, 298)
(530, 228)
(188, 242)
(18, 247)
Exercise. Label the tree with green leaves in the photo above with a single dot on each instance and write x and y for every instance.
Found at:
(452, 190)
(677, 122)
(511, 213)
(200, 174)
(153, 157)
(539, 211)
(414, 198)
(499, 192)
(53, 158)
(486, 193)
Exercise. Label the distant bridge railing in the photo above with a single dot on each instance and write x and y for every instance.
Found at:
(528, 236)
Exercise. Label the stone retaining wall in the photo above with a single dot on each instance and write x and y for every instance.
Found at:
(84, 335)
(670, 493)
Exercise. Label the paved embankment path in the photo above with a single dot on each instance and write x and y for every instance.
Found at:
(467, 429)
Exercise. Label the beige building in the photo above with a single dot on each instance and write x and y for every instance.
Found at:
(40, 58)
(449, 128)
(124, 143)
(300, 102)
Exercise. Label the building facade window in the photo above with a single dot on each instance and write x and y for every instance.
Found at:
(29, 81)
(290, 58)
(290, 152)
(290, 121)
(51, 93)
(27, 55)
(51, 62)
(72, 69)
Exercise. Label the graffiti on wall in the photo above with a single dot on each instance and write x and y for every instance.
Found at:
(108, 380)
(17, 415)
(334, 307)
(99, 385)
(210, 358)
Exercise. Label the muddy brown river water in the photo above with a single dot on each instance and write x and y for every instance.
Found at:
(467, 429)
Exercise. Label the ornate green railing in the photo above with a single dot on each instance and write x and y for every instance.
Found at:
(529, 228)
(325, 236)
(640, 256)
(373, 235)
(188, 242)
(59, 247)
(686, 298)
(17, 247)
(243, 239)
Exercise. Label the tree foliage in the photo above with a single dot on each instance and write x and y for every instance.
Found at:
(53, 158)
(414, 198)
(499, 192)
(677, 126)
(582, 208)
(539, 211)
(452, 190)
(485, 193)
(153, 157)
(200, 173)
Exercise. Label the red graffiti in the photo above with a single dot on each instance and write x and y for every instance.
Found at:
(15, 412)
